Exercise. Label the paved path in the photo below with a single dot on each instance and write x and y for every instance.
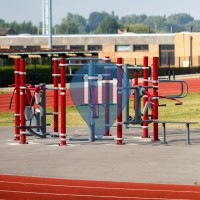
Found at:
(136, 170)
(139, 169)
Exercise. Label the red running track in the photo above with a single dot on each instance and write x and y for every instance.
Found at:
(35, 188)
(164, 89)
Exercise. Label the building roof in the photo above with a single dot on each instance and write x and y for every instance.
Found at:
(7, 31)
(45, 52)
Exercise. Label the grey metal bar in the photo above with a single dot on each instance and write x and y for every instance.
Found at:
(164, 133)
(90, 118)
(89, 59)
(173, 122)
(126, 92)
(188, 133)
(43, 109)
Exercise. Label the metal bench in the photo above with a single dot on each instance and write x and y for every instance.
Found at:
(173, 122)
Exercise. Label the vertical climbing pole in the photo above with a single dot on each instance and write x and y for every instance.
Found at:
(55, 102)
(107, 99)
(155, 99)
(22, 100)
(126, 94)
(63, 102)
(17, 108)
(119, 101)
(135, 83)
(91, 111)
(145, 99)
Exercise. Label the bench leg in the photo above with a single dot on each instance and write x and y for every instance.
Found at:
(188, 133)
(164, 134)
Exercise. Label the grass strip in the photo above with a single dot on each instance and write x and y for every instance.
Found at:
(189, 111)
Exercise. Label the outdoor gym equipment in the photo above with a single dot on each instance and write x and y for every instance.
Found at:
(93, 98)
(92, 91)
(26, 116)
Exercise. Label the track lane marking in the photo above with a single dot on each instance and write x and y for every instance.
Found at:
(92, 196)
(103, 188)
(36, 179)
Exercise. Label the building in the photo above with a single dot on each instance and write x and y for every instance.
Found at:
(7, 31)
(179, 49)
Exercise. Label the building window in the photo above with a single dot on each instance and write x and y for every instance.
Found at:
(94, 47)
(140, 47)
(60, 46)
(166, 54)
(33, 47)
(77, 47)
(16, 47)
(122, 47)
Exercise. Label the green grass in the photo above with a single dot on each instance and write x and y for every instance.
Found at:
(189, 111)
(7, 119)
(73, 118)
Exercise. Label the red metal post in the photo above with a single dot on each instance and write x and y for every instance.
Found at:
(119, 101)
(55, 102)
(17, 107)
(63, 102)
(155, 99)
(22, 100)
(107, 99)
(145, 99)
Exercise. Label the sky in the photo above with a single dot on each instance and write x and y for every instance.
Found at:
(31, 10)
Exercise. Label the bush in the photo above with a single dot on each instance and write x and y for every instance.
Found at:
(35, 74)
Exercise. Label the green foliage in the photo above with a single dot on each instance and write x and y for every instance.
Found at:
(24, 27)
(138, 28)
(35, 74)
(108, 25)
(181, 18)
(72, 24)
(103, 22)
(133, 19)
(95, 19)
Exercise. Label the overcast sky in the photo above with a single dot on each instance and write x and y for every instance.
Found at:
(31, 10)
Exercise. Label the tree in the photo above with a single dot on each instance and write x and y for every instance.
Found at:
(181, 18)
(95, 18)
(133, 19)
(138, 28)
(72, 24)
(108, 25)
(156, 22)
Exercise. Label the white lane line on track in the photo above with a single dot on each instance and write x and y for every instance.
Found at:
(79, 195)
(105, 188)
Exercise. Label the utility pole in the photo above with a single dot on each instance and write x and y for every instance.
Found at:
(47, 20)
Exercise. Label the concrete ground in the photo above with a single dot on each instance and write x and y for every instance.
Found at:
(138, 160)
